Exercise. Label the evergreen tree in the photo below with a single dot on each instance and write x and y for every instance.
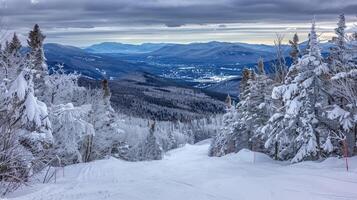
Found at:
(303, 100)
(241, 126)
(150, 149)
(26, 130)
(225, 140)
(35, 42)
(342, 88)
(339, 57)
(11, 60)
(15, 45)
(108, 134)
(295, 51)
(246, 75)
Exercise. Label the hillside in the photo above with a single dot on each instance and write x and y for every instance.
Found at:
(148, 96)
(90, 64)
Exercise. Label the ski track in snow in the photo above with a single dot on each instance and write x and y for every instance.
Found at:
(189, 174)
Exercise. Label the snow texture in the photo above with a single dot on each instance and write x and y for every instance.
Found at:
(188, 173)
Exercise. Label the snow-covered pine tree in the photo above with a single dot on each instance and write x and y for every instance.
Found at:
(108, 134)
(150, 149)
(11, 60)
(228, 137)
(339, 57)
(254, 109)
(241, 125)
(303, 100)
(37, 56)
(15, 45)
(25, 129)
(246, 74)
(224, 141)
(343, 89)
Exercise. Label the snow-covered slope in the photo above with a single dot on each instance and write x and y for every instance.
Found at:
(189, 174)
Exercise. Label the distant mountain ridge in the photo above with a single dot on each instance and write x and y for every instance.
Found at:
(116, 47)
(90, 64)
(209, 53)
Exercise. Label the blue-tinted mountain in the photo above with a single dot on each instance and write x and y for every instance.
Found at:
(115, 47)
(90, 64)
(211, 53)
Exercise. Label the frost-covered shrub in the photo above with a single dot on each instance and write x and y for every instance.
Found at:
(71, 131)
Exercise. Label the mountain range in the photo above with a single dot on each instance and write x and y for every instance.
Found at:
(201, 64)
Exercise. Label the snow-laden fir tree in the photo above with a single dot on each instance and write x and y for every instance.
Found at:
(228, 137)
(241, 126)
(303, 99)
(15, 45)
(11, 60)
(25, 128)
(150, 149)
(224, 141)
(343, 89)
(108, 136)
(339, 57)
(35, 42)
(254, 108)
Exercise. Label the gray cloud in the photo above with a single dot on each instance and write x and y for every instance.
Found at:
(89, 14)
(173, 13)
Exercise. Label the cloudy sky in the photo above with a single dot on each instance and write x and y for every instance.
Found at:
(83, 22)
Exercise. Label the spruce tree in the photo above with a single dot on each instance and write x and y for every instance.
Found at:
(11, 60)
(339, 56)
(26, 128)
(343, 89)
(107, 133)
(15, 45)
(35, 42)
(303, 100)
(150, 149)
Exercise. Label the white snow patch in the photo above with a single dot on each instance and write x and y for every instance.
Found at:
(188, 173)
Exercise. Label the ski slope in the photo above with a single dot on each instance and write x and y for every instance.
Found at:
(188, 173)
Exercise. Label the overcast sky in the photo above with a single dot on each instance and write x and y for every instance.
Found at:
(83, 22)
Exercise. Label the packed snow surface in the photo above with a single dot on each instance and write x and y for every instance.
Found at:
(188, 173)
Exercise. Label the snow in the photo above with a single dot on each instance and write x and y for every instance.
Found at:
(188, 173)
(343, 116)
(19, 86)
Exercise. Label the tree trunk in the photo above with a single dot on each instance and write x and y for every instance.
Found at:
(276, 151)
(88, 148)
(355, 141)
(351, 143)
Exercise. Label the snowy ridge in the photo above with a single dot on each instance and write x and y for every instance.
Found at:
(188, 173)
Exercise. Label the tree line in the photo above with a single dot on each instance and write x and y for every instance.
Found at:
(306, 111)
